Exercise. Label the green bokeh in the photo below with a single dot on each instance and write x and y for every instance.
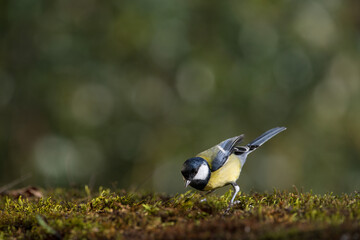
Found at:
(122, 92)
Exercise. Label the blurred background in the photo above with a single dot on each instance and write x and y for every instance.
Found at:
(121, 93)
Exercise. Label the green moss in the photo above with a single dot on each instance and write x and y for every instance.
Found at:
(106, 214)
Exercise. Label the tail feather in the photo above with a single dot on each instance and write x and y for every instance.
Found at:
(243, 151)
(265, 137)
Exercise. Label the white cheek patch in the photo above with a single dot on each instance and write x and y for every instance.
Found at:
(202, 173)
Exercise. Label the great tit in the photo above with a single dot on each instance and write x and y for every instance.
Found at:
(221, 165)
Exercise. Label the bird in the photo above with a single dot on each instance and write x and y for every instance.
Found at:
(221, 164)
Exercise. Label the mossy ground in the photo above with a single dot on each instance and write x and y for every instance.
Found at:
(106, 214)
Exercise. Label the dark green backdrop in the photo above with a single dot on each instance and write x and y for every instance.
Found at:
(122, 92)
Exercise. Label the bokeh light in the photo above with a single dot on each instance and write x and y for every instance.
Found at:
(120, 93)
(92, 104)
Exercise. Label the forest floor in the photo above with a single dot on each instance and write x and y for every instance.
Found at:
(31, 213)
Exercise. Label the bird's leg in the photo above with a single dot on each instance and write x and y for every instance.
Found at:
(204, 195)
(236, 189)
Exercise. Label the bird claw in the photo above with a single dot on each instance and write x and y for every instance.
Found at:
(227, 211)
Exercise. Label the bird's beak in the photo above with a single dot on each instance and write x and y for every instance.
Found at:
(187, 182)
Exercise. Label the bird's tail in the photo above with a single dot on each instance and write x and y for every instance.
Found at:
(243, 152)
(264, 137)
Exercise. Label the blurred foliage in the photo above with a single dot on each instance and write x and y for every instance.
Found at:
(100, 92)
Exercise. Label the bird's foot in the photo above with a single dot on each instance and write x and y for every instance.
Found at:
(227, 211)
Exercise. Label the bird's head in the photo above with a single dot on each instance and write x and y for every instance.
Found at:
(196, 172)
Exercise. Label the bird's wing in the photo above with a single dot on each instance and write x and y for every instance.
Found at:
(224, 150)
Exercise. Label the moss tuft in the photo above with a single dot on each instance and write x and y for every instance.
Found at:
(106, 214)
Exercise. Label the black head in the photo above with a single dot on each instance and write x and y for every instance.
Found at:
(197, 171)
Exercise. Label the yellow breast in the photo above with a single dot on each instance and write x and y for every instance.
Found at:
(226, 174)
